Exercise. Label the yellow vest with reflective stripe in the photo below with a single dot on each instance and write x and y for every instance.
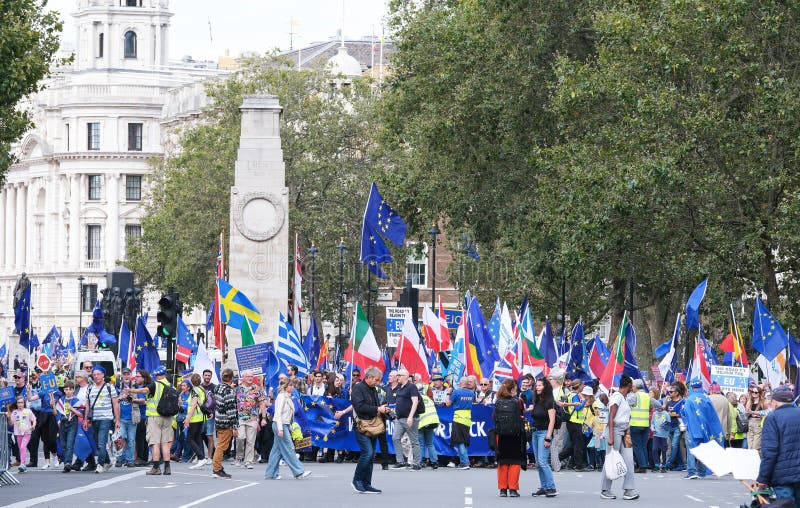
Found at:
(640, 415)
(430, 416)
(578, 416)
(463, 416)
(198, 415)
(151, 406)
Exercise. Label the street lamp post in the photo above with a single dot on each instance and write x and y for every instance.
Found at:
(434, 232)
(80, 304)
(342, 249)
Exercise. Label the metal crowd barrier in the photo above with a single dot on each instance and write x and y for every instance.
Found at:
(6, 478)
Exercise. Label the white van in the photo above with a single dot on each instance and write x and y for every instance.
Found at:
(102, 357)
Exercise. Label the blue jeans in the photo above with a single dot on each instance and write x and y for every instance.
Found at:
(463, 456)
(101, 430)
(639, 436)
(426, 442)
(128, 433)
(675, 456)
(788, 492)
(282, 448)
(693, 466)
(366, 445)
(543, 460)
(67, 433)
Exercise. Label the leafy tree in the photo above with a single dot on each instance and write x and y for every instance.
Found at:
(326, 145)
(28, 43)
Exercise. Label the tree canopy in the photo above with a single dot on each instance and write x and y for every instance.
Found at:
(28, 43)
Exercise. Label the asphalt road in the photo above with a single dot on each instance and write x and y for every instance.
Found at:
(329, 486)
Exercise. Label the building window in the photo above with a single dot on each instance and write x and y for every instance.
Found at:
(100, 39)
(66, 135)
(135, 137)
(95, 187)
(132, 234)
(93, 242)
(89, 297)
(130, 44)
(133, 187)
(133, 3)
(93, 135)
(417, 266)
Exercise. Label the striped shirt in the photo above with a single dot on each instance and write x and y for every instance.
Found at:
(225, 414)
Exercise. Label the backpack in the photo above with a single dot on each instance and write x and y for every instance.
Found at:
(209, 405)
(742, 424)
(562, 412)
(168, 404)
(507, 421)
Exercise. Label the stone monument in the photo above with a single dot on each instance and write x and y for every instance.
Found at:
(258, 256)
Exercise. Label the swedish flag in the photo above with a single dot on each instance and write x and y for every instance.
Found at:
(234, 307)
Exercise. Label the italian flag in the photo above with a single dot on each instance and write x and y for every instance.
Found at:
(616, 363)
(532, 359)
(363, 351)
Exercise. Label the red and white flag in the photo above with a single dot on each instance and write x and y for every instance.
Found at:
(411, 352)
(219, 326)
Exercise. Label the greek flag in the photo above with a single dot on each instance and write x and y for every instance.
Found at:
(290, 349)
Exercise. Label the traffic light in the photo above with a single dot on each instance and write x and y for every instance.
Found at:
(169, 307)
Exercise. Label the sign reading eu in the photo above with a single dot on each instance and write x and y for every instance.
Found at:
(731, 379)
(453, 318)
(395, 317)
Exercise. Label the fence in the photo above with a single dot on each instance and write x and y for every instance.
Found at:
(6, 478)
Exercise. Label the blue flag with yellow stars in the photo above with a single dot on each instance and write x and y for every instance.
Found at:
(380, 221)
(327, 431)
(701, 420)
(769, 337)
(575, 364)
(22, 318)
(145, 348)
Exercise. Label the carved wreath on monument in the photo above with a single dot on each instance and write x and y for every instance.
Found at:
(258, 215)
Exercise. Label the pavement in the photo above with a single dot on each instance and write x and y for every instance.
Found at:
(329, 486)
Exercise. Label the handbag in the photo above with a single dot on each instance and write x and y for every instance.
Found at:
(372, 427)
(614, 466)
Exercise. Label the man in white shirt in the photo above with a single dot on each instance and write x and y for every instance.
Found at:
(317, 387)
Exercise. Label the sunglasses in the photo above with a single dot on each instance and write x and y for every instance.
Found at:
(754, 393)
(484, 384)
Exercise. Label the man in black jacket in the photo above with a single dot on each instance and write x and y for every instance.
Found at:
(364, 399)
(780, 447)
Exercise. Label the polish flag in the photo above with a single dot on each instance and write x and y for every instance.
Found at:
(411, 352)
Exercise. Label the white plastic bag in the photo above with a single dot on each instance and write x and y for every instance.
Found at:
(614, 466)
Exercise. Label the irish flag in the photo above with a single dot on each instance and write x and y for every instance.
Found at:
(616, 363)
(363, 351)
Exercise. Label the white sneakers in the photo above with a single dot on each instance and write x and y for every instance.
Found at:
(200, 463)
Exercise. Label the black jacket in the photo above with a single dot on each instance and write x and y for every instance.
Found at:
(780, 447)
(365, 401)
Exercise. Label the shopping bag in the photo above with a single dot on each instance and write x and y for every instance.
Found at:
(614, 466)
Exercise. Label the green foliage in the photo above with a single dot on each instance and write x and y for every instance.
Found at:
(325, 141)
(28, 42)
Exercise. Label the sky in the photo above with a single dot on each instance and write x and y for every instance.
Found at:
(252, 25)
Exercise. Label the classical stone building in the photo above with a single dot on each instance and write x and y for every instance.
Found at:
(72, 203)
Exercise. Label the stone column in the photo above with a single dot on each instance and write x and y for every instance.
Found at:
(112, 224)
(10, 233)
(74, 221)
(259, 241)
(108, 43)
(3, 198)
(21, 237)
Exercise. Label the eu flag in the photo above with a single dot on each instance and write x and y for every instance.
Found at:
(469, 247)
(384, 219)
(769, 337)
(374, 250)
(693, 305)
(22, 318)
(145, 349)
(575, 364)
(380, 221)
(311, 343)
(548, 346)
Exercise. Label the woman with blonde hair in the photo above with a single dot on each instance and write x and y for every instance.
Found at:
(755, 409)
(283, 447)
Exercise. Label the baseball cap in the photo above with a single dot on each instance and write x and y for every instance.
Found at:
(126, 370)
(783, 394)
(160, 371)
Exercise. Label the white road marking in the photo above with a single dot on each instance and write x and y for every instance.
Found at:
(212, 496)
(468, 501)
(77, 490)
(694, 498)
(467, 491)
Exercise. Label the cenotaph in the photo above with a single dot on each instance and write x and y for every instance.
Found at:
(259, 221)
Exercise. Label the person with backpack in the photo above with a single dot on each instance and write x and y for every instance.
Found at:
(208, 409)
(544, 426)
(509, 433)
(561, 401)
(162, 405)
(102, 414)
(738, 422)
(195, 420)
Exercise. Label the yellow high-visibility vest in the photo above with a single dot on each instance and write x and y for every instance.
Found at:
(640, 415)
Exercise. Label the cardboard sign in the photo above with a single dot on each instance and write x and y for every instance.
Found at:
(252, 357)
(7, 395)
(49, 383)
(395, 318)
(731, 379)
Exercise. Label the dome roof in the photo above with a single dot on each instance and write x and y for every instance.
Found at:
(343, 63)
